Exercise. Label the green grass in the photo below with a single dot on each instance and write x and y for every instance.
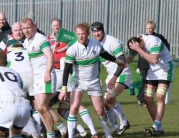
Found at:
(138, 116)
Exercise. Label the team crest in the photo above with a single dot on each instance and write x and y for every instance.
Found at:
(33, 48)
(94, 52)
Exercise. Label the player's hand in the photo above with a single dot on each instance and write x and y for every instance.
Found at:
(112, 82)
(47, 77)
(62, 96)
(120, 63)
(138, 71)
(134, 46)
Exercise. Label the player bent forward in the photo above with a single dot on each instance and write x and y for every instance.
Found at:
(158, 78)
(84, 55)
(14, 108)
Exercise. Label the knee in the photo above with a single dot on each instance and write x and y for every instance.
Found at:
(148, 99)
(41, 109)
(160, 98)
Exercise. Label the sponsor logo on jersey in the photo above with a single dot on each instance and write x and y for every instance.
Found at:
(94, 52)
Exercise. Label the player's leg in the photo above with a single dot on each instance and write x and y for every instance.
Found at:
(75, 100)
(86, 117)
(41, 104)
(103, 118)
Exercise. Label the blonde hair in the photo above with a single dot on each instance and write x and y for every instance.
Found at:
(25, 20)
(84, 26)
(152, 23)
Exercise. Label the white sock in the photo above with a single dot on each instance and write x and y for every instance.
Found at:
(37, 121)
(85, 115)
(113, 118)
(71, 123)
(51, 134)
(62, 128)
(30, 128)
(157, 125)
(105, 125)
(118, 110)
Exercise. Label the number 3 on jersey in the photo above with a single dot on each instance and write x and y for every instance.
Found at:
(19, 56)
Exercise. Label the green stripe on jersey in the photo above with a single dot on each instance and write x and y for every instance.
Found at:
(48, 87)
(170, 71)
(69, 57)
(117, 51)
(85, 62)
(34, 55)
(12, 42)
(157, 49)
(44, 44)
(101, 59)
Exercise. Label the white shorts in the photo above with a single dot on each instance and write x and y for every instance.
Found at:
(41, 87)
(124, 78)
(59, 74)
(27, 78)
(92, 88)
(162, 72)
(14, 112)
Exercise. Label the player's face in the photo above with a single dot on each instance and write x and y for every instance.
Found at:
(56, 26)
(28, 29)
(17, 32)
(149, 29)
(98, 34)
(82, 35)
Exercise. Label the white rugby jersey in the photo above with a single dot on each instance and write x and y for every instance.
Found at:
(153, 45)
(10, 84)
(85, 59)
(114, 47)
(35, 48)
(19, 60)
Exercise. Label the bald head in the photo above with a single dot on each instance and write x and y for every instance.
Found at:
(3, 58)
(2, 19)
(17, 31)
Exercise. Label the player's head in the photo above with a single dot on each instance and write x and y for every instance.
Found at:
(2, 19)
(150, 27)
(3, 58)
(56, 25)
(135, 39)
(82, 31)
(28, 27)
(98, 30)
(17, 46)
(17, 31)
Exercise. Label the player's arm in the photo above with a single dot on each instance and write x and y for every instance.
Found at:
(109, 57)
(62, 49)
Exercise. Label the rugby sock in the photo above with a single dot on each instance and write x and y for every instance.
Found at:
(51, 134)
(105, 125)
(37, 121)
(118, 110)
(156, 125)
(85, 115)
(30, 128)
(62, 128)
(112, 117)
(65, 115)
(71, 123)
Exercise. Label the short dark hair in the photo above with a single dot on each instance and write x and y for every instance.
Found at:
(3, 58)
(18, 45)
(135, 39)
